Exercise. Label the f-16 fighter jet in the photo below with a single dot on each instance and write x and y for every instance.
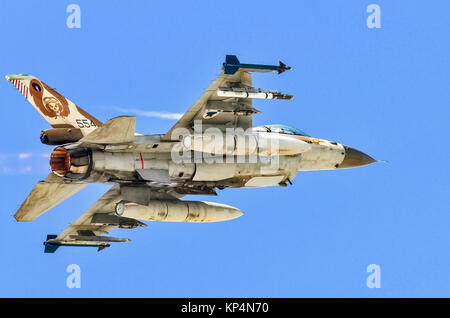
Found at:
(213, 146)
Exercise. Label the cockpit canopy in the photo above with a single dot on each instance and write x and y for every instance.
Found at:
(281, 129)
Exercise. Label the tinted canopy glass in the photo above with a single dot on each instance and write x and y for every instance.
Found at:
(282, 129)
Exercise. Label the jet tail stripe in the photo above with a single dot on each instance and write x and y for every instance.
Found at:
(23, 89)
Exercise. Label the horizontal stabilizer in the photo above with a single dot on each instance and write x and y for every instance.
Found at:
(119, 130)
(46, 195)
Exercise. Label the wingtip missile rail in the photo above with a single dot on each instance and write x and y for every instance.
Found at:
(232, 65)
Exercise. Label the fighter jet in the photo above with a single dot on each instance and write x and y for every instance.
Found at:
(213, 146)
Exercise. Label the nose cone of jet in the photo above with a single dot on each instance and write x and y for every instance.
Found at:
(355, 158)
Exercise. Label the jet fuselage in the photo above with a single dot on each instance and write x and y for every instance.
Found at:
(148, 160)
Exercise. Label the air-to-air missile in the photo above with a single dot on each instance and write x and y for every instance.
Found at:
(232, 65)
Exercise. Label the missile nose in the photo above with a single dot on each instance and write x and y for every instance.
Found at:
(355, 158)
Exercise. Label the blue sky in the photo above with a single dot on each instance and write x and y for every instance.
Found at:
(383, 91)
